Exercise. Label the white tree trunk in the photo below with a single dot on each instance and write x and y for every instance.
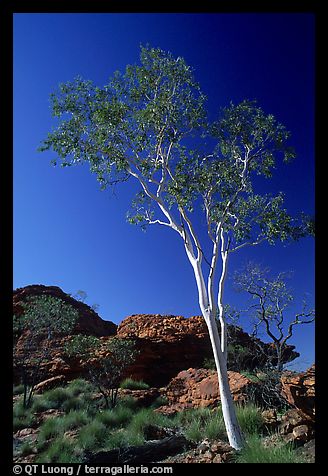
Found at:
(234, 433)
(233, 430)
(224, 258)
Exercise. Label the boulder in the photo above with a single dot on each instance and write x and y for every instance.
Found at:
(296, 426)
(50, 383)
(143, 398)
(195, 388)
(299, 390)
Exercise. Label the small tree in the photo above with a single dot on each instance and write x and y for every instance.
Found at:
(149, 124)
(80, 295)
(107, 373)
(43, 319)
(271, 299)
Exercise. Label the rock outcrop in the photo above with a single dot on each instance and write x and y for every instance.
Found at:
(194, 388)
(88, 323)
(299, 390)
(169, 344)
(166, 344)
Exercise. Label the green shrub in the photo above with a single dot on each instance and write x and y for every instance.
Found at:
(50, 428)
(121, 439)
(194, 430)
(57, 396)
(200, 423)
(131, 384)
(26, 448)
(115, 418)
(40, 404)
(250, 375)
(255, 452)
(55, 427)
(93, 435)
(73, 403)
(188, 416)
(214, 428)
(75, 419)
(61, 450)
(128, 402)
(80, 386)
(22, 417)
(18, 389)
(209, 363)
(250, 418)
(145, 417)
(87, 441)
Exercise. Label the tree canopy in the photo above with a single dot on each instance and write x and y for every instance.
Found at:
(150, 123)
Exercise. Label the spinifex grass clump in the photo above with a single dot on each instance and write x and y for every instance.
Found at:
(131, 384)
(22, 417)
(62, 450)
(255, 452)
(117, 418)
(250, 418)
(201, 423)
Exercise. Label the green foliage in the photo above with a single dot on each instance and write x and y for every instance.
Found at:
(93, 435)
(252, 376)
(22, 417)
(51, 428)
(239, 356)
(80, 386)
(131, 384)
(115, 418)
(26, 448)
(43, 317)
(57, 396)
(118, 354)
(77, 395)
(200, 423)
(55, 427)
(18, 389)
(62, 450)
(255, 452)
(209, 363)
(250, 418)
(122, 439)
(48, 314)
(128, 402)
(73, 403)
(41, 404)
(81, 346)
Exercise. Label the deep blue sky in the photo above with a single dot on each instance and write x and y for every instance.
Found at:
(70, 234)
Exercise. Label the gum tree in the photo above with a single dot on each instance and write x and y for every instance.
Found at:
(43, 320)
(118, 354)
(149, 124)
